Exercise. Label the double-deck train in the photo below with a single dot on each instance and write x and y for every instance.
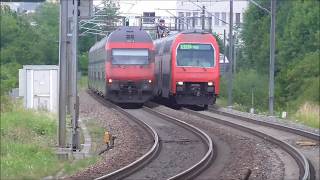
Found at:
(121, 66)
(187, 68)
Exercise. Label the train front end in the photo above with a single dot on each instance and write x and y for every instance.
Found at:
(129, 70)
(195, 76)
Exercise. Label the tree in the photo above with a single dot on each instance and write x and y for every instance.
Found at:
(25, 42)
(297, 49)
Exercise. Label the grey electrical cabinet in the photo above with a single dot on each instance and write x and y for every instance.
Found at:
(38, 85)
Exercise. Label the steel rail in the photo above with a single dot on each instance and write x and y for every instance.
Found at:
(143, 160)
(304, 167)
(197, 168)
(281, 127)
(148, 157)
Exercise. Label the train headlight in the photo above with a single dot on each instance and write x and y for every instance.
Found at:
(180, 83)
(110, 81)
(150, 81)
(210, 83)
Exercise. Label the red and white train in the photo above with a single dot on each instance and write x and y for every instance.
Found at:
(187, 68)
(121, 66)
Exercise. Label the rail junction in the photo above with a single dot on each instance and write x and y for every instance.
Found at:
(180, 151)
(184, 147)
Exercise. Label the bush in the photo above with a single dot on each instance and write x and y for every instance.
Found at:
(308, 114)
(245, 84)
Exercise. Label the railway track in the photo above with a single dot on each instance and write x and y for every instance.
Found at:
(140, 162)
(310, 135)
(177, 146)
(282, 136)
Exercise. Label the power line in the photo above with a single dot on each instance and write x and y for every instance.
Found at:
(209, 13)
(258, 5)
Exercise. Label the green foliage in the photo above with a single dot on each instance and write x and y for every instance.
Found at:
(23, 43)
(304, 79)
(83, 83)
(297, 50)
(308, 114)
(83, 63)
(25, 140)
(71, 168)
(246, 83)
(220, 42)
(8, 76)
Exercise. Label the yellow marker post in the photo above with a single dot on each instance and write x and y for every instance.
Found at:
(107, 137)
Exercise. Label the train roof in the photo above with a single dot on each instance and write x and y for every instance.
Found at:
(124, 34)
(190, 31)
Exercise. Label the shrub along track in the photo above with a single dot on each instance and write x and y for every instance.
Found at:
(181, 151)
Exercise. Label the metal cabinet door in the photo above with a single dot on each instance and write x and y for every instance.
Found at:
(41, 89)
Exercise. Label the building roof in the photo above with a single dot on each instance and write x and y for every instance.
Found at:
(40, 67)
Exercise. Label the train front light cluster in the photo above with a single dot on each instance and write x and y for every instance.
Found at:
(180, 83)
(210, 87)
(180, 86)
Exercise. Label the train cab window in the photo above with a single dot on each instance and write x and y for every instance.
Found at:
(130, 56)
(195, 55)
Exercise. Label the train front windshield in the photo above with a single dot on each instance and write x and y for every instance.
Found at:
(195, 55)
(130, 56)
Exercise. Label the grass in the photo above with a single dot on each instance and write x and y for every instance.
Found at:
(96, 133)
(83, 83)
(27, 138)
(74, 166)
(308, 114)
(27, 141)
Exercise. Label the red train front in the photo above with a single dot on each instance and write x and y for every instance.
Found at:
(125, 60)
(187, 68)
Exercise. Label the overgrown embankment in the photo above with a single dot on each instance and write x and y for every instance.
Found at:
(27, 138)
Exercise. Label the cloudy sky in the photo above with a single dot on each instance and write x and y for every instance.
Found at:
(137, 7)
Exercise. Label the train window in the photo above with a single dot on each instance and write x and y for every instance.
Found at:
(130, 56)
(195, 55)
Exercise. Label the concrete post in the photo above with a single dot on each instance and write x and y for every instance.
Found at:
(230, 55)
(272, 56)
(63, 72)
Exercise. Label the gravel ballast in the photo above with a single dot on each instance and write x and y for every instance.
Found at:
(243, 152)
(131, 140)
(272, 119)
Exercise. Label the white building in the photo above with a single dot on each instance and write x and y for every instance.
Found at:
(218, 9)
(38, 85)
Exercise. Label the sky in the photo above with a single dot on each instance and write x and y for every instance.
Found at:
(137, 7)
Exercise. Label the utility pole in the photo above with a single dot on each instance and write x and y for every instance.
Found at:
(224, 46)
(235, 41)
(230, 55)
(63, 72)
(272, 55)
(203, 17)
(75, 101)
